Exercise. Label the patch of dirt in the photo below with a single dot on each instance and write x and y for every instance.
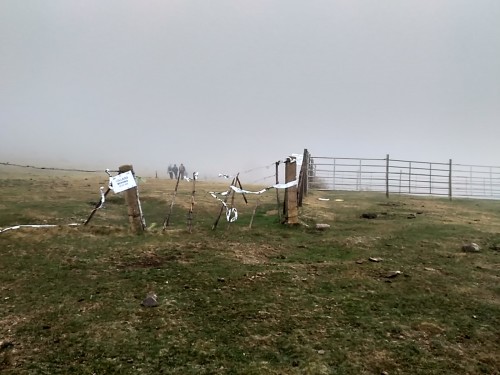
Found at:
(252, 253)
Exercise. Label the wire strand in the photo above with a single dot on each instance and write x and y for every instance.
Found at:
(50, 168)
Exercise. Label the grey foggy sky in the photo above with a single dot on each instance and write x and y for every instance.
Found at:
(230, 85)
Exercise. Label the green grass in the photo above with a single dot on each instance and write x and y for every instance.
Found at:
(270, 299)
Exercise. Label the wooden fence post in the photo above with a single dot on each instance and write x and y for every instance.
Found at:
(387, 176)
(277, 191)
(132, 200)
(291, 208)
(306, 161)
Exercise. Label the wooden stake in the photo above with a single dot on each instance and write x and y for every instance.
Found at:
(241, 187)
(190, 214)
(98, 204)
(166, 222)
(223, 205)
(254, 211)
(232, 203)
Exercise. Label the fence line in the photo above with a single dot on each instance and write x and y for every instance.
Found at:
(50, 168)
(396, 176)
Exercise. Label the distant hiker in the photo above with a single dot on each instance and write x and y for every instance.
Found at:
(171, 171)
(182, 171)
(175, 170)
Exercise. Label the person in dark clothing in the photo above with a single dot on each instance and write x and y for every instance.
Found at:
(182, 171)
(171, 171)
(175, 170)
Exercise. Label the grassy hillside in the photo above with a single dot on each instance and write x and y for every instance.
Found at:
(269, 299)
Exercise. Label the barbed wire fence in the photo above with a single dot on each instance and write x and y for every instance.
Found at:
(250, 178)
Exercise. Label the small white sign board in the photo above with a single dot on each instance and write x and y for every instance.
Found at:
(122, 182)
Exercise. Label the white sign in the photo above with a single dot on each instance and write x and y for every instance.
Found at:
(122, 182)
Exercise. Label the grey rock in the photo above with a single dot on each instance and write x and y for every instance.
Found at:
(322, 226)
(471, 247)
(150, 301)
(393, 274)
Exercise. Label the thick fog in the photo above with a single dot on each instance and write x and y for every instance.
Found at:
(227, 86)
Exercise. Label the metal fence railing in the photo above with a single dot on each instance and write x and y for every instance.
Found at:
(394, 176)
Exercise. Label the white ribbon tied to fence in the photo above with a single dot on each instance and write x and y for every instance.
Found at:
(276, 186)
(232, 213)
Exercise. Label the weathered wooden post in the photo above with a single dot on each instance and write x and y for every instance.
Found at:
(132, 200)
(302, 187)
(305, 162)
(277, 191)
(291, 208)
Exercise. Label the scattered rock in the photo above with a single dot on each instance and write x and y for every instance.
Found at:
(430, 269)
(221, 280)
(411, 216)
(6, 345)
(360, 261)
(322, 226)
(369, 215)
(376, 260)
(471, 248)
(150, 301)
(393, 274)
(495, 247)
(6, 354)
(321, 352)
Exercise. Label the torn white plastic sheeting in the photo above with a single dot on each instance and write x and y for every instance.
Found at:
(35, 226)
(277, 186)
(195, 177)
(241, 191)
(103, 198)
(223, 175)
(231, 213)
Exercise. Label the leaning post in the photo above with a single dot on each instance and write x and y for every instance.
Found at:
(133, 205)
